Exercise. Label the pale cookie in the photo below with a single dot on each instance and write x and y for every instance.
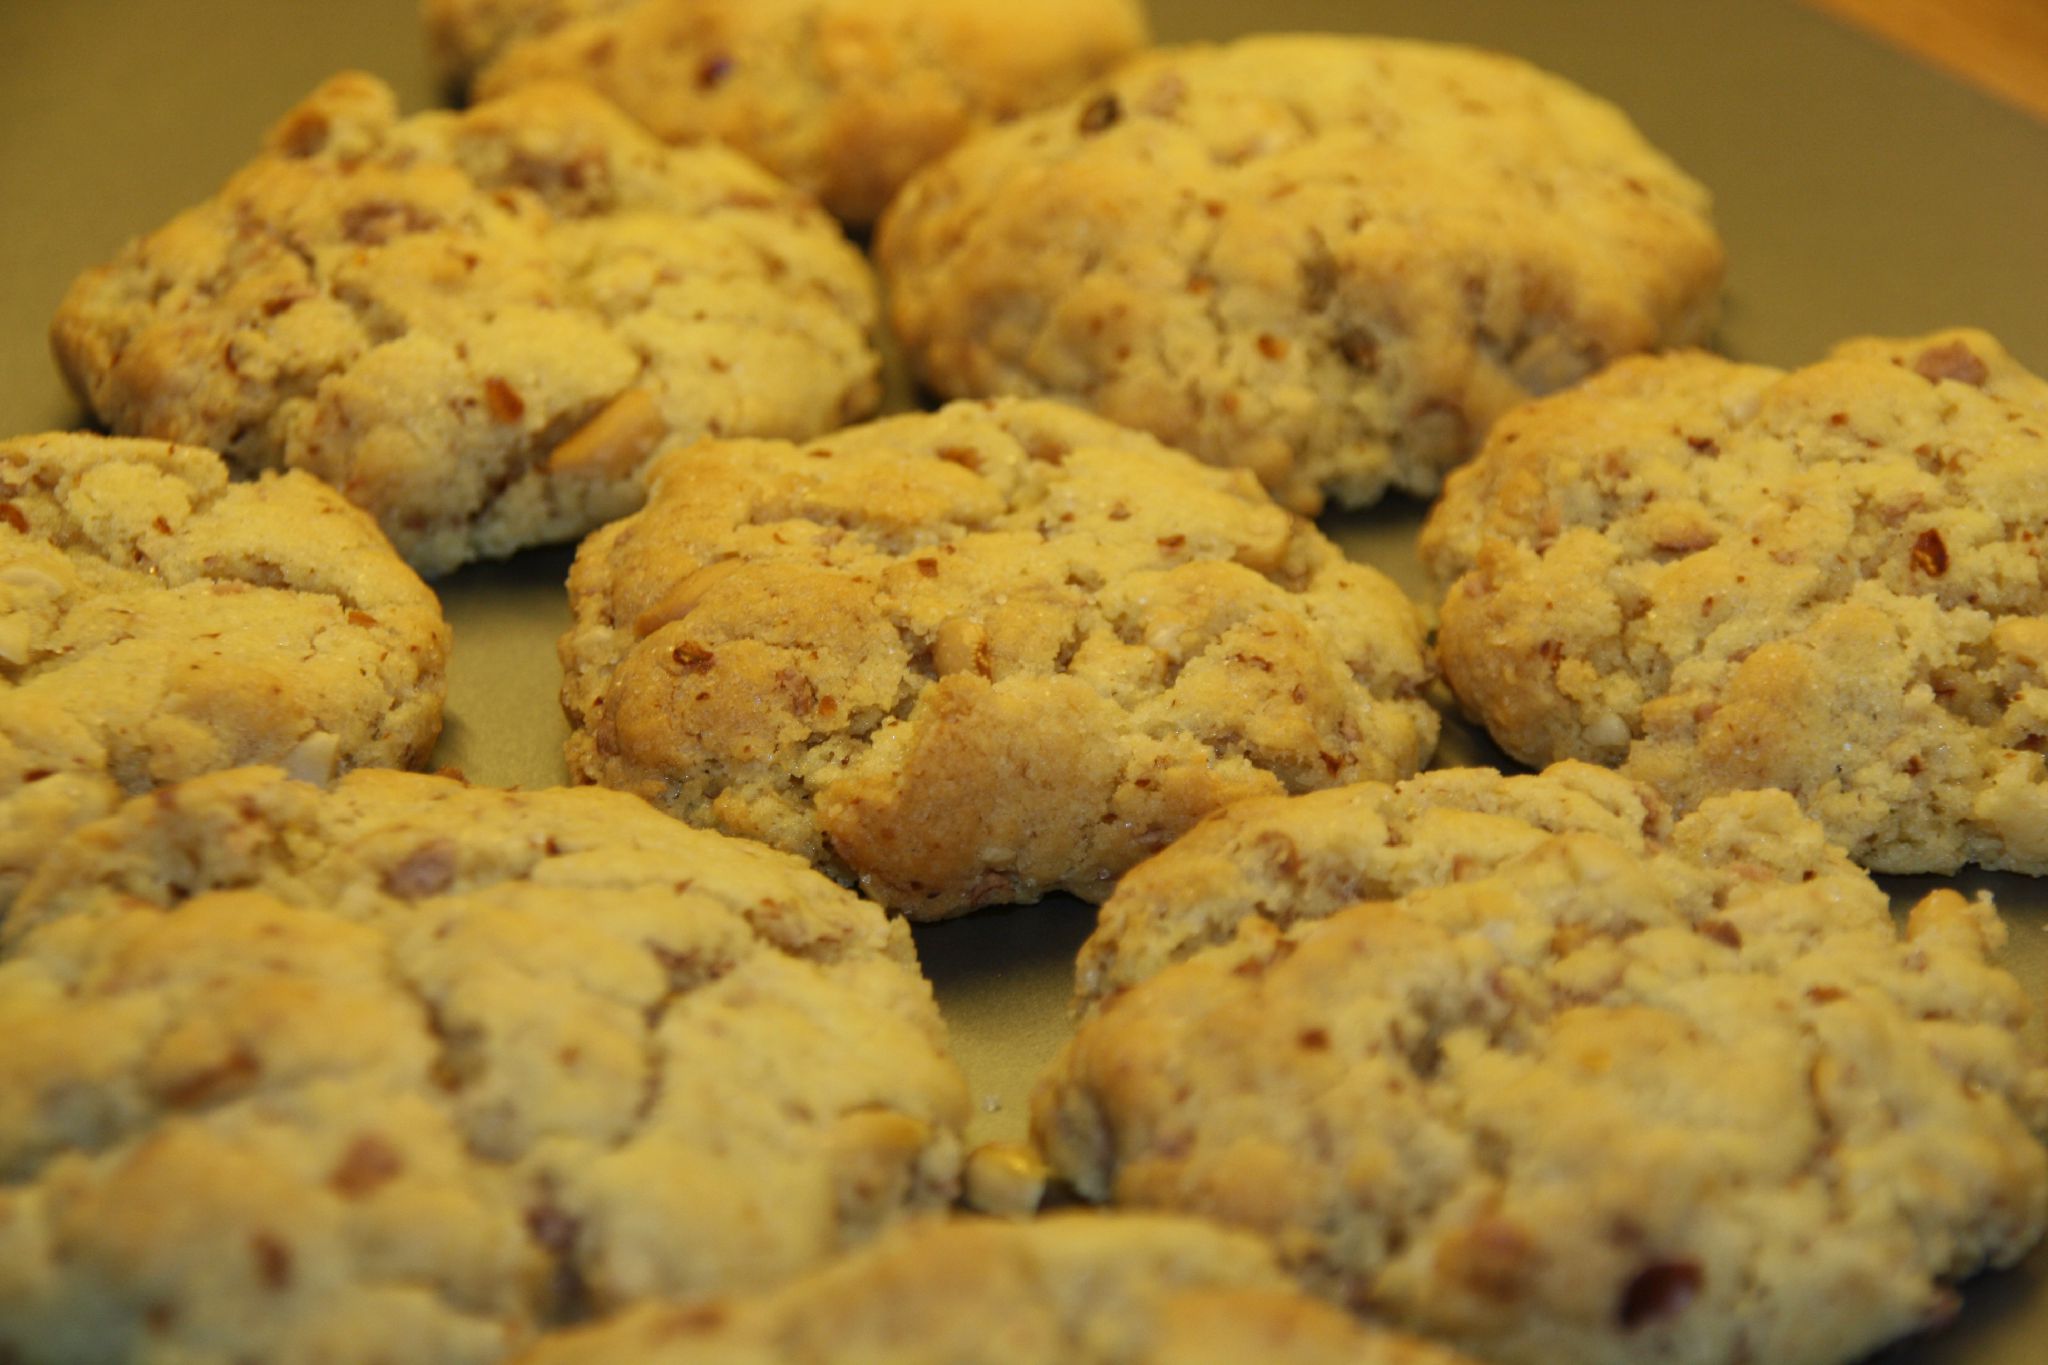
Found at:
(406, 1071)
(158, 622)
(976, 656)
(476, 325)
(1290, 859)
(1570, 1112)
(844, 98)
(1073, 1289)
(1723, 576)
(1333, 261)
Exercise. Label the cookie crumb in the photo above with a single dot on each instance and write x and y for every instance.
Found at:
(1005, 1180)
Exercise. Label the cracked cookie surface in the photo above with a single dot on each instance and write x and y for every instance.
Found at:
(1722, 576)
(158, 622)
(476, 325)
(975, 656)
(407, 1070)
(844, 98)
(1290, 859)
(1573, 1110)
(1070, 1289)
(1332, 261)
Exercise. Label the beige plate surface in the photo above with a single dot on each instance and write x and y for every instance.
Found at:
(1857, 192)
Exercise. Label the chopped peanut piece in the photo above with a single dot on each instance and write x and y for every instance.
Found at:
(683, 598)
(616, 441)
(961, 647)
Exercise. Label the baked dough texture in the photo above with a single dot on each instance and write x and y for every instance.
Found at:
(1070, 1289)
(476, 325)
(975, 656)
(1333, 261)
(1572, 1111)
(158, 622)
(1724, 576)
(844, 98)
(1290, 859)
(404, 1071)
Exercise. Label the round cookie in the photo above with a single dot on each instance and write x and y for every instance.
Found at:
(975, 656)
(844, 98)
(158, 622)
(1334, 261)
(1290, 859)
(406, 1070)
(1724, 576)
(1568, 1110)
(476, 325)
(1071, 1289)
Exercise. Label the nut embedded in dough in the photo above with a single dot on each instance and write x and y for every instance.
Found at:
(1829, 580)
(1332, 261)
(616, 441)
(975, 656)
(404, 1070)
(158, 622)
(843, 98)
(1608, 1100)
(476, 325)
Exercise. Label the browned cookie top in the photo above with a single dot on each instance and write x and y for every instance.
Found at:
(974, 656)
(1590, 1106)
(844, 98)
(404, 1070)
(1333, 261)
(158, 622)
(1724, 576)
(476, 325)
(1289, 859)
(1072, 1289)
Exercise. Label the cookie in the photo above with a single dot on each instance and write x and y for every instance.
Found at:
(1569, 1111)
(158, 622)
(1079, 1288)
(405, 1070)
(1723, 576)
(976, 656)
(476, 325)
(1291, 859)
(842, 97)
(1333, 261)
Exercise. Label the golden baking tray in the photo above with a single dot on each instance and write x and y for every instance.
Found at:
(1857, 192)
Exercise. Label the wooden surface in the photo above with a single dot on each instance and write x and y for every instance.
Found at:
(1999, 46)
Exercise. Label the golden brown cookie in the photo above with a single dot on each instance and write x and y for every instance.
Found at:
(1333, 261)
(844, 98)
(1290, 859)
(404, 1070)
(158, 622)
(1572, 1111)
(975, 656)
(476, 325)
(1072, 1289)
(1724, 576)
